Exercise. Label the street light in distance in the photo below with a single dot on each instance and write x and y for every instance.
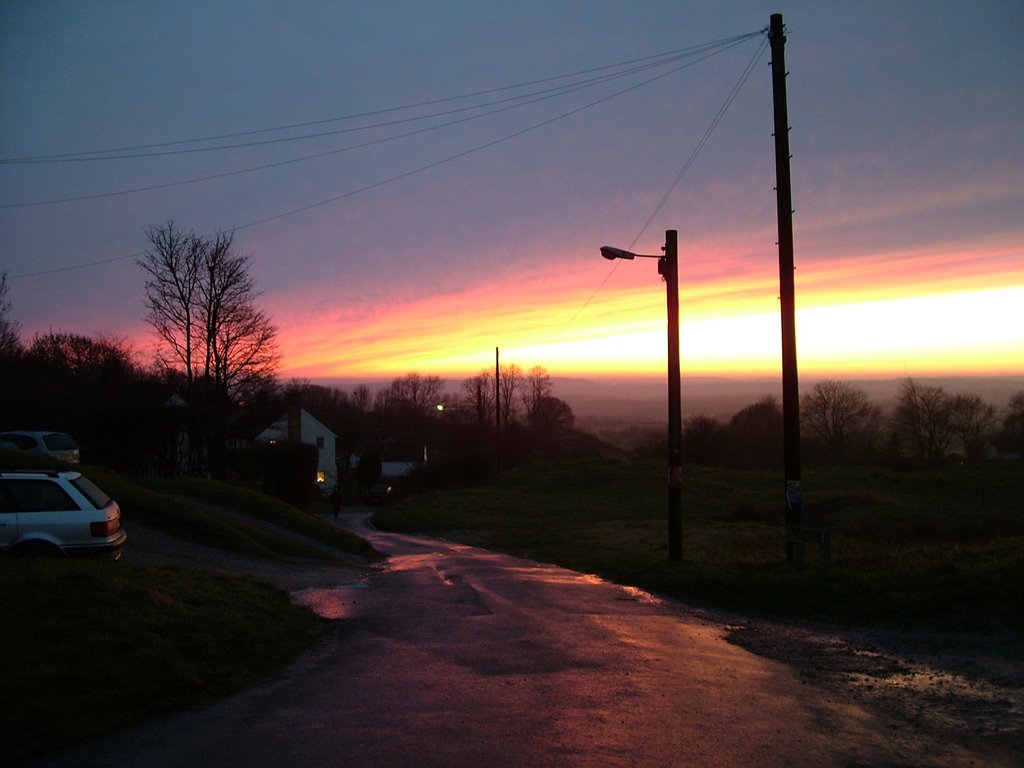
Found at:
(668, 268)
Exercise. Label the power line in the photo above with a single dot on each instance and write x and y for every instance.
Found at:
(119, 153)
(686, 167)
(733, 42)
(531, 98)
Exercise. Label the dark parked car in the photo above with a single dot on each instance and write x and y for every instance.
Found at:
(378, 493)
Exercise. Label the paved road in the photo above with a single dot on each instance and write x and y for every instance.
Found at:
(452, 656)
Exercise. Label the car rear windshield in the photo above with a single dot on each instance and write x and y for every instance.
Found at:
(89, 489)
(58, 441)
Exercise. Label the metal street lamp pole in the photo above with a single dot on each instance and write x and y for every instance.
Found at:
(668, 268)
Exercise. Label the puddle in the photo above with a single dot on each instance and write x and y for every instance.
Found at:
(332, 603)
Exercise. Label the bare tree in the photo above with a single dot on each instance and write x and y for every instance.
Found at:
(837, 413)
(538, 388)
(420, 394)
(240, 341)
(173, 264)
(478, 392)
(201, 304)
(511, 378)
(82, 356)
(201, 299)
(9, 329)
(923, 423)
(362, 398)
(973, 421)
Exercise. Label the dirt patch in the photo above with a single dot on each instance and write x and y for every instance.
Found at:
(946, 699)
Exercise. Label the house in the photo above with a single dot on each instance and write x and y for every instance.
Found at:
(300, 426)
(399, 458)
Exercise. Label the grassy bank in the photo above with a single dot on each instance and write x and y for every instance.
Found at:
(90, 647)
(939, 549)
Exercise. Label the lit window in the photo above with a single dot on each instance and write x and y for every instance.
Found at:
(320, 478)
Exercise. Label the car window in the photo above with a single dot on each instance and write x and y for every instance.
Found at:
(90, 490)
(59, 441)
(38, 496)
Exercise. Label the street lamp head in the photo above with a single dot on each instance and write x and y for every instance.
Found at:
(616, 253)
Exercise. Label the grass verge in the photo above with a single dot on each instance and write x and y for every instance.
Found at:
(938, 549)
(90, 647)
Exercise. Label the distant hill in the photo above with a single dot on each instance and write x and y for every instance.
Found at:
(612, 404)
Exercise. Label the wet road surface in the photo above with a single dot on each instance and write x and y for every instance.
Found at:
(455, 656)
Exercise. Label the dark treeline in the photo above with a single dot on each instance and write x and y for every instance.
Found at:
(149, 419)
(197, 412)
(134, 417)
(840, 425)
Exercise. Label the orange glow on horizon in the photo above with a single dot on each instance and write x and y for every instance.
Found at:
(893, 313)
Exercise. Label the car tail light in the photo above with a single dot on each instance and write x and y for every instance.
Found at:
(105, 528)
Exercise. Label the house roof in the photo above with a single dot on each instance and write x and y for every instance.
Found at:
(307, 423)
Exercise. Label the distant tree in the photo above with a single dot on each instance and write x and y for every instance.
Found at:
(840, 418)
(332, 406)
(1011, 437)
(83, 356)
(362, 399)
(10, 344)
(973, 422)
(551, 416)
(755, 435)
(94, 389)
(705, 440)
(419, 394)
(478, 397)
(923, 424)
(511, 377)
(537, 388)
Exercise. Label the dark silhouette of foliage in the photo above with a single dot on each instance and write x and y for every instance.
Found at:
(705, 441)
(839, 422)
(287, 471)
(755, 436)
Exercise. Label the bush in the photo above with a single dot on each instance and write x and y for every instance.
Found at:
(289, 472)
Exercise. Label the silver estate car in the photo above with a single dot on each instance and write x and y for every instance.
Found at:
(49, 512)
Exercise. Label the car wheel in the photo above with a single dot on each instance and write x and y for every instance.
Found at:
(37, 549)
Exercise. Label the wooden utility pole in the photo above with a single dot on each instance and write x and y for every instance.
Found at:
(497, 411)
(668, 266)
(784, 204)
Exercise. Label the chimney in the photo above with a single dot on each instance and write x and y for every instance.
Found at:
(294, 420)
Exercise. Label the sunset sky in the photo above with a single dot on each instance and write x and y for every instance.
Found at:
(418, 183)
